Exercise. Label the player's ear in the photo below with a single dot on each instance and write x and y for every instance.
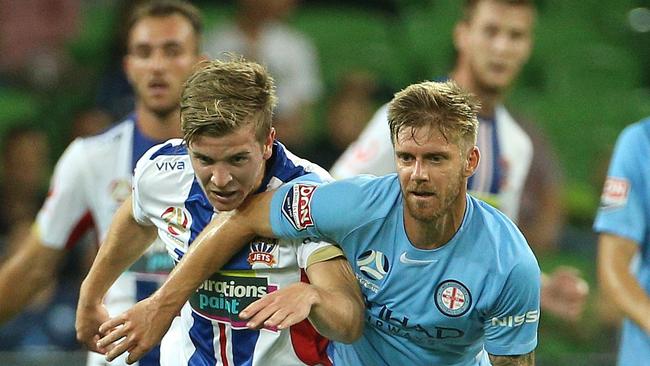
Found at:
(268, 144)
(460, 35)
(472, 157)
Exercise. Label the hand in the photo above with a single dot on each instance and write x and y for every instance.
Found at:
(281, 309)
(89, 318)
(137, 330)
(564, 294)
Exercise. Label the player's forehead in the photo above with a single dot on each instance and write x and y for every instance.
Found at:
(239, 140)
(424, 140)
(155, 31)
(492, 12)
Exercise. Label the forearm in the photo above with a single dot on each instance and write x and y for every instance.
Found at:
(519, 360)
(25, 274)
(125, 242)
(338, 310)
(210, 251)
(614, 256)
(338, 315)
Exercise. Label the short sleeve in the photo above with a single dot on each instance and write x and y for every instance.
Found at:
(139, 191)
(511, 328)
(67, 205)
(623, 203)
(329, 212)
(310, 252)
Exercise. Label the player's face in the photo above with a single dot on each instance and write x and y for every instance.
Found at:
(432, 172)
(495, 43)
(230, 167)
(162, 52)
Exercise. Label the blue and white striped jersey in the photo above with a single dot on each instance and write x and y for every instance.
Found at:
(166, 194)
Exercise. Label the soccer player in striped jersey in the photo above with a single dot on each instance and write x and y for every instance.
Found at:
(229, 152)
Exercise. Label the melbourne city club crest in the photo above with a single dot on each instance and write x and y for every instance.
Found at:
(453, 298)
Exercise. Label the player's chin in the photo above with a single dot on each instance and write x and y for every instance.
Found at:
(229, 204)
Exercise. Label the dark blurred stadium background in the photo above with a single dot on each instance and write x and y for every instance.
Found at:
(589, 76)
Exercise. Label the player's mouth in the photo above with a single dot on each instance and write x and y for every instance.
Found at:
(224, 197)
(422, 194)
(158, 86)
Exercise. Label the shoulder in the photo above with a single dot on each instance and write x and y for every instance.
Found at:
(115, 133)
(510, 127)
(500, 237)
(164, 161)
(366, 194)
(636, 133)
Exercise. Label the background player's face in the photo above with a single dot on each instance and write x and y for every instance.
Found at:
(162, 52)
(495, 43)
(230, 167)
(432, 172)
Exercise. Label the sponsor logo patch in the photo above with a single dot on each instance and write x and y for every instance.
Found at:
(452, 298)
(615, 193)
(373, 264)
(177, 219)
(224, 295)
(296, 206)
(170, 165)
(262, 251)
(120, 190)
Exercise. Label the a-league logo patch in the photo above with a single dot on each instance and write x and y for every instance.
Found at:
(453, 298)
(615, 193)
(296, 206)
(177, 219)
(373, 264)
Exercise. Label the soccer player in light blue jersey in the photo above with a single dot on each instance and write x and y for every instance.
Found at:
(624, 243)
(447, 279)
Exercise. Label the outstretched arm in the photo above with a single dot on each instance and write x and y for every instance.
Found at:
(126, 241)
(144, 325)
(614, 256)
(25, 274)
(331, 301)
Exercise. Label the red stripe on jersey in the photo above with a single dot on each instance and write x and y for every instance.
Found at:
(85, 223)
(222, 344)
(309, 345)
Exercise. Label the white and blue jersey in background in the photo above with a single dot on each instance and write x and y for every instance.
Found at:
(91, 180)
(166, 194)
(423, 307)
(625, 211)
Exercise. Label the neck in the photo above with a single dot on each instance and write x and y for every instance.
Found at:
(156, 126)
(432, 234)
(489, 97)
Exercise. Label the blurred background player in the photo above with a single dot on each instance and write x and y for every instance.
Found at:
(624, 244)
(260, 33)
(493, 42)
(93, 177)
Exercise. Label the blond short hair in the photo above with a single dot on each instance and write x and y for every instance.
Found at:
(223, 96)
(441, 104)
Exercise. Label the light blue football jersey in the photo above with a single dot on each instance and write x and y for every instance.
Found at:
(480, 291)
(625, 211)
